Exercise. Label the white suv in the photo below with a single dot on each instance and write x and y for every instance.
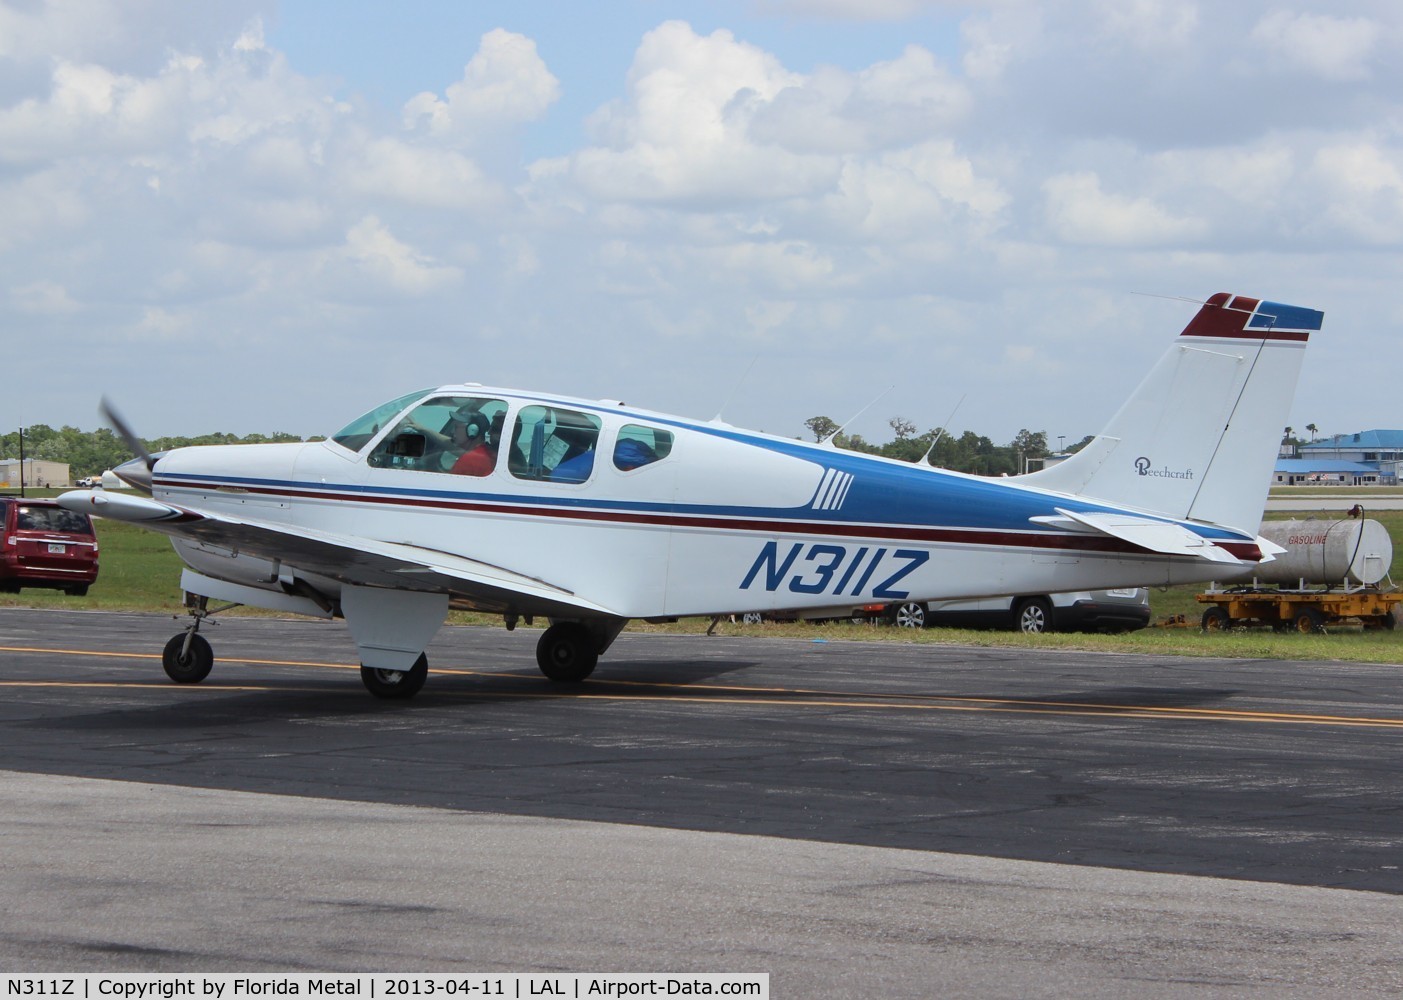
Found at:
(1087, 611)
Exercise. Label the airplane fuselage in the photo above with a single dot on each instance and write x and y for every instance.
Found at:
(728, 521)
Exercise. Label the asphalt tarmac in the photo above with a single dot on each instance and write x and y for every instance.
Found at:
(857, 819)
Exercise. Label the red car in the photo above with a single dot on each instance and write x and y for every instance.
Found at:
(43, 545)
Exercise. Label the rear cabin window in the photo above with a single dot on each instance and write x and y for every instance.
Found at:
(458, 435)
(638, 446)
(553, 444)
(55, 519)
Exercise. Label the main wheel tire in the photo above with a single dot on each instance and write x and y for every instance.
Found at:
(909, 614)
(191, 667)
(396, 683)
(1215, 619)
(79, 591)
(1034, 616)
(566, 652)
(751, 618)
(1310, 620)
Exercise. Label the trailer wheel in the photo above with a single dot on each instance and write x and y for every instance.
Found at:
(1310, 620)
(1215, 619)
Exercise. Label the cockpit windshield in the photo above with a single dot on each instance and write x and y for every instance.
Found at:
(357, 434)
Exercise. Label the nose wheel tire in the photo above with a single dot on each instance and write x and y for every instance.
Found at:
(187, 666)
(396, 683)
(567, 652)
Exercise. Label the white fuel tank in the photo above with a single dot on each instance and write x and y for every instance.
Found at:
(1326, 552)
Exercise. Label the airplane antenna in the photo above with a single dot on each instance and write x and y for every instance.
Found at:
(1172, 298)
(828, 441)
(1189, 299)
(734, 386)
(938, 434)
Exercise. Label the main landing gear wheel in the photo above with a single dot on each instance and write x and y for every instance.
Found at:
(567, 652)
(396, 683)
(1035, 616)
(187, 665)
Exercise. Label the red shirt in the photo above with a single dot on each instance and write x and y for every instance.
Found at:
(478, 462)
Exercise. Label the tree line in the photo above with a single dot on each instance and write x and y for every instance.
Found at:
(969, 452)
(89, 453)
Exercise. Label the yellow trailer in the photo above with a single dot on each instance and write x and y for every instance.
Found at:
(1299, 610)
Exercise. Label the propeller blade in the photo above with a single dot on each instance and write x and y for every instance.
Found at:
(137, 472)
(110, 414)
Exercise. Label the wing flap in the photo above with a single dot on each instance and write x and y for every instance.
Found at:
(1157, 536)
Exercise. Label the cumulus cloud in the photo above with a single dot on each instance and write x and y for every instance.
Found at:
(1079, 211)
(434, 178)
(1147, 24)
(714, 120)
(1335, 48)
(890, 103)
(1362, 190)
(382, 258)
(505, 83)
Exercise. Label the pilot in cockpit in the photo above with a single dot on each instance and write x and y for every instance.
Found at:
(472, 443)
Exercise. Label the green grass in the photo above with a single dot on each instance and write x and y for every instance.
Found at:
(141, 572)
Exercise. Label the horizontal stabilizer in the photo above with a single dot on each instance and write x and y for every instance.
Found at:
(1157, 536)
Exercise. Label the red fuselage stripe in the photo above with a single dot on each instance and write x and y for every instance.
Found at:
(948, 535)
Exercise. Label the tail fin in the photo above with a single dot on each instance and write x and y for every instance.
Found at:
(1199, 438)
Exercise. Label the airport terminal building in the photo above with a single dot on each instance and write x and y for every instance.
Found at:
(1366, 458)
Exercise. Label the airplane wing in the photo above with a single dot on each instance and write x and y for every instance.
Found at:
(352, 560)
(1157, 536)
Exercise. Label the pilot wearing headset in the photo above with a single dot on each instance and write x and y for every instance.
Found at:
(469, 432)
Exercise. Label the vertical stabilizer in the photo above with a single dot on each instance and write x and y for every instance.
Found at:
(1199, 438)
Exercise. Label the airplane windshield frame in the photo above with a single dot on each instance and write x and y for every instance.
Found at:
(361, 431)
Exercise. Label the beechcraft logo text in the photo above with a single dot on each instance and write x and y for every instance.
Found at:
(1143, 466)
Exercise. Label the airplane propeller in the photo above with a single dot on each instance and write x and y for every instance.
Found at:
(137, 472)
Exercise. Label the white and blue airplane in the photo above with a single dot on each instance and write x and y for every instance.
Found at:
(590, 513)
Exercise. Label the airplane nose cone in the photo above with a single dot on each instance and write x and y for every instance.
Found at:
(136, 474)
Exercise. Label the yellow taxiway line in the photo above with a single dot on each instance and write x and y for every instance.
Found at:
(731, 694)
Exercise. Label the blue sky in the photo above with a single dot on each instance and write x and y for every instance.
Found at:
(246, 215)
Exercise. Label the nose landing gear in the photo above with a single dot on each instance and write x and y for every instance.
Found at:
(188, 658)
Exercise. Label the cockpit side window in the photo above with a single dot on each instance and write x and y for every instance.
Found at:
(554, 444)
(359, 432)
(451, 434)
(638, 446)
